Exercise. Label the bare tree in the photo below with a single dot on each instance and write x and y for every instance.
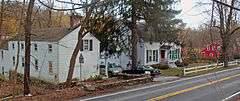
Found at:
(225, 20)
(1, 17)
(28, 28)
(18, 43)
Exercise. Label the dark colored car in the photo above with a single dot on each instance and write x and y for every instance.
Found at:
(113, 69)
(143, 70)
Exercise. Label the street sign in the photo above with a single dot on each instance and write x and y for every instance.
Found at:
(81, 59)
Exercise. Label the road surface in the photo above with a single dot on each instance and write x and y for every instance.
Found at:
(210, 87)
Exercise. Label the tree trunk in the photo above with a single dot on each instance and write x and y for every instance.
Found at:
(77, 48)
(1, 18)
(73, 58)
(18, 43)
(134, 36)
(17, 63)
(225, 52)
(28, 28)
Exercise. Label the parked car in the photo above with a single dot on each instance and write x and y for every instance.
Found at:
(113, 69)
(143, 70)
(149, 70)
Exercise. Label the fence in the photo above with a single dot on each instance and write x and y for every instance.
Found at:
(207, 67)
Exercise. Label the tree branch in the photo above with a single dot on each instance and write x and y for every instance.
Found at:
(226, 5)
(233, 31)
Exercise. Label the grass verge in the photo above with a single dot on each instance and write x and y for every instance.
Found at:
(210, 71)
(172, 72)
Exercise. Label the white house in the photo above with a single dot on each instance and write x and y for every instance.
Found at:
(149, 50)
(152, 51)
(51, 50)
(121, 59)
(3, 59)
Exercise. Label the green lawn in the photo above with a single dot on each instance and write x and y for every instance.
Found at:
(172, 72)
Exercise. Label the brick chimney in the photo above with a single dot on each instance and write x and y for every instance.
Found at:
(75, 20)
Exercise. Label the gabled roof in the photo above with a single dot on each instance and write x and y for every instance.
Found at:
(46, 34)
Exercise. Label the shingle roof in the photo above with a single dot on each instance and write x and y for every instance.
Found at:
(46, 34)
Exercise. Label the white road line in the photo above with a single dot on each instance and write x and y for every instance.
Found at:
(228, 98)
(155, 85)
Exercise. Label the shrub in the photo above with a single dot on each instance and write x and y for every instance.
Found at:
(95, 78)
(160, 66)
(236, 56)
(181, 64)
(2, 78)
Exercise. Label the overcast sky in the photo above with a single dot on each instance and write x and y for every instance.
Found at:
(192, 14)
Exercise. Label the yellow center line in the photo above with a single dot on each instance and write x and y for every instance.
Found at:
(190, 89)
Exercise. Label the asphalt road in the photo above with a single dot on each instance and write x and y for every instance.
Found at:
(211, 87)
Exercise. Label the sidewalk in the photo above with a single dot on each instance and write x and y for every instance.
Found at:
(165, 78)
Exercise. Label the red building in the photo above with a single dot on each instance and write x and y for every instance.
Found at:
(211, 51)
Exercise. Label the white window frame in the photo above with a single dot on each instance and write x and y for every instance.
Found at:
(35, 47)
(36, 64)
(13, 46)
(86, 45)
(14, 60)
(22, 46)
(50, 48)
(23, 62)
(50, 67)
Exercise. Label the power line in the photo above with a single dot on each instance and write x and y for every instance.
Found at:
(226, 5)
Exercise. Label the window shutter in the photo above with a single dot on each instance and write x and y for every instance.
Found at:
(91, 45)
(81, 48)
(147, 57)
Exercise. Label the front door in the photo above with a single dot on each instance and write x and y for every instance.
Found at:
(163, 54)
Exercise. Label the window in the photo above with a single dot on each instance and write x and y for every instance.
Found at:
(2, 70)
(13, 46)
(23, 64)
(90, 45)
(49, 47)
(147, 56)
(178, 53)
(35, 47)
(211, 54)
(154, 55)
(50, 67)
(212, 48)
(150, 55)
(2, 54)
(22, 46)
(13, 58)
(36, 64)
(85, 44)
(170, 54)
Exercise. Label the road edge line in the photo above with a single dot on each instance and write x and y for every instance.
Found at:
(155, 85)
(231, 96)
